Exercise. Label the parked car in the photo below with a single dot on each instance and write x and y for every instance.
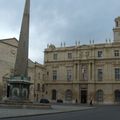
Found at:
(44, 101)
(59, 101)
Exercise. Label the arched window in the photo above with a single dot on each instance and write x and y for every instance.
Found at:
(54, 94)
(117, 95)
(68, 95)
(99, 95)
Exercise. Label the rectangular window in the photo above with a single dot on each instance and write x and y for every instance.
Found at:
(100, 74)
(117, 73)
(100, 53)
(69, 75)
(38, 75)
(84, 70)
(54, 74)
(38, 87)
(116, 53)
(43, 88)
(43, 77)
(47, 73)
(69, 55)
(55, 56)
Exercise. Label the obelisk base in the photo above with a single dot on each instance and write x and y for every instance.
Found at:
(19, 88)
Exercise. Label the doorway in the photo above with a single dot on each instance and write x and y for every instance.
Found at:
(54, 94)
(84, 96)
(8, 90)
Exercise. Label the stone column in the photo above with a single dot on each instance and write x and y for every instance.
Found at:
(90, 71)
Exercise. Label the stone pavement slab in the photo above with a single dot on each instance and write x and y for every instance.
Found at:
(11, 113)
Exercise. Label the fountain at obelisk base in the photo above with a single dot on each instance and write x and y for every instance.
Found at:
(19, 83)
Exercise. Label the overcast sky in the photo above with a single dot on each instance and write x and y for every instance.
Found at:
(56, 21)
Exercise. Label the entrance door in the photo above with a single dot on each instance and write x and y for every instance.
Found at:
(117, 96)
(8, 91)
(84, 96)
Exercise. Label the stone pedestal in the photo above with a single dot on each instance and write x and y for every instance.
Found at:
(18, 88)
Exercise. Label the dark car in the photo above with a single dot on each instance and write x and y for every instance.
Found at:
(44, 101)
(59, 101)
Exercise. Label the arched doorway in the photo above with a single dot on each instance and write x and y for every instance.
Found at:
(117, 95)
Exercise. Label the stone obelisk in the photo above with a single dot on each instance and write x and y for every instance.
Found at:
(19, 83)
(21, 63)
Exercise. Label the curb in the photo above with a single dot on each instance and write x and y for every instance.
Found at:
(57, 112)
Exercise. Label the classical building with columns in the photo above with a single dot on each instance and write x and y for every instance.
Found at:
(80, 73)
(74, 74)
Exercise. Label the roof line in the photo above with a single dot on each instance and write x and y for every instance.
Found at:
(3, 41)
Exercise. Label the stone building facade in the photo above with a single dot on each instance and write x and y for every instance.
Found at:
(74, 74)
(84, 72)
(36, 71)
